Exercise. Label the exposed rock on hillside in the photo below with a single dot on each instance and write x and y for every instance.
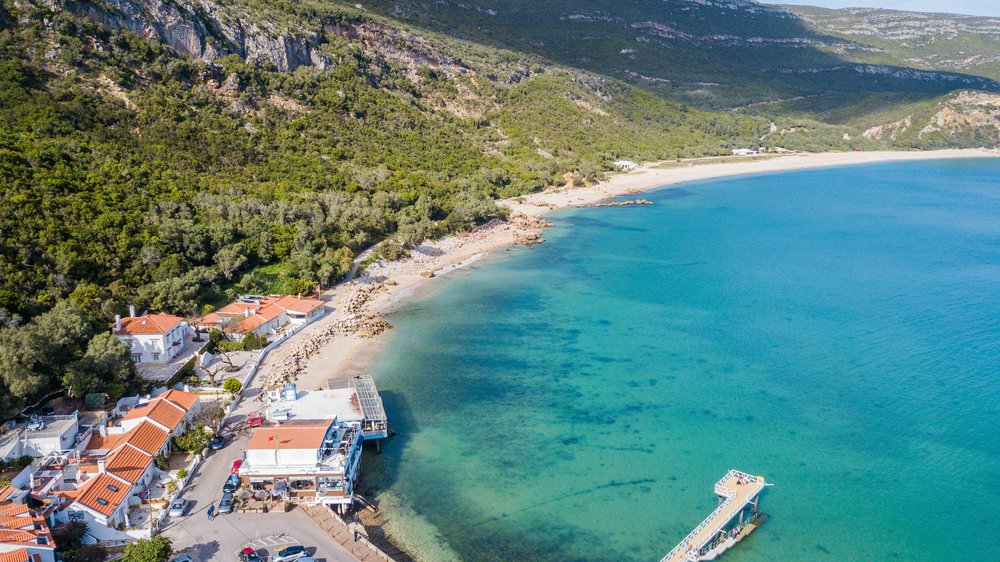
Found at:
(968, 110)
(203, 29)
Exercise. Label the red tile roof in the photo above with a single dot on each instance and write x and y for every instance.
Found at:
(183, 399)
(146, 437)
(103, 442)
(303, 305)
(150, 324)
(236, 318)
(306, 436)
(161, 411)
(103, 493)
(20, 526)
(128, 463)
(19, 555)
(13, 509)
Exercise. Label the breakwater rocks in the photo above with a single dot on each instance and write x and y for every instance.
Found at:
(363, 325)
(529, 229)
(623, 203)
(363, 296)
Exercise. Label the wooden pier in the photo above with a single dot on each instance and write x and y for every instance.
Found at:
(725, 526)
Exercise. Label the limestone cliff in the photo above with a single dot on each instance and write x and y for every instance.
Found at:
(204, 29)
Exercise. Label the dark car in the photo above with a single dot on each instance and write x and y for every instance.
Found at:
(226, 503)
(249, 555)
(288, 554)
(232, 483)
(47, 411)
(217, 443)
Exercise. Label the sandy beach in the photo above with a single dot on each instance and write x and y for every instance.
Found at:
(346, 341)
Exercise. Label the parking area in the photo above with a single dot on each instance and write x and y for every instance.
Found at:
(220, 538)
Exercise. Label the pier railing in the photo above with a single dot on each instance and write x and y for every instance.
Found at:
(715, 517)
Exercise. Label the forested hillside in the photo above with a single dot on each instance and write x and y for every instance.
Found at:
(175, 153)
(134, 173)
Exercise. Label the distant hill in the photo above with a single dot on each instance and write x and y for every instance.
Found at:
(716, 53)
(944, 42)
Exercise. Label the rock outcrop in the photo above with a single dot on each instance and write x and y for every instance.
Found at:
(203, 29)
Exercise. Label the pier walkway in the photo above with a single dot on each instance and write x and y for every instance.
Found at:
(711, 537)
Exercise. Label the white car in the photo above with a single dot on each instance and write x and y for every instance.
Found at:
(178, 507)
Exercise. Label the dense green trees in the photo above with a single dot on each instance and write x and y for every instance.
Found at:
(156, 549)
(59, 348)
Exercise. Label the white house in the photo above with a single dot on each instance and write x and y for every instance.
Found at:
(262, 315)
(626, 165)
(314, 462)
(153, 338)
(744, 152)
(102, 501)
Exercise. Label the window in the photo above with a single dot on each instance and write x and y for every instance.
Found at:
(331, 483)
(156, 357)
(112, 487)
(102, 501)
(136, 357)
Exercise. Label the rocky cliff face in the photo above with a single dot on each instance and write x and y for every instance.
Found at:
(203, 29)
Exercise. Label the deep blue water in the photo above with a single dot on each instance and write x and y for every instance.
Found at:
(837, 331)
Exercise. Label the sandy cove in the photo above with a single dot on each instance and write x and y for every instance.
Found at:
(346, 341)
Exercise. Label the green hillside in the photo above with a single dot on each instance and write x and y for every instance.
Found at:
(174, 154)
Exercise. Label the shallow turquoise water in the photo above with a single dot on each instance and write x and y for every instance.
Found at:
(837, 331)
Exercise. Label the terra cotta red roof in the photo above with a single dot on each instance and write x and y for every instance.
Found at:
(150, 324)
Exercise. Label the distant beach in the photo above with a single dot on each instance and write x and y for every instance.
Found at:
(336, 347)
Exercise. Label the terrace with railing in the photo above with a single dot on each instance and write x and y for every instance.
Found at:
(736, 490)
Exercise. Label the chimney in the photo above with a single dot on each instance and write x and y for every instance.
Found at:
(131, 310)
(101, 469)
(118, 322)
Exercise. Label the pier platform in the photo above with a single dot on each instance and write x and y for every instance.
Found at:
(727, 524)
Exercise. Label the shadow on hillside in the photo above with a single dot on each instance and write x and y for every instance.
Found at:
(714, 56)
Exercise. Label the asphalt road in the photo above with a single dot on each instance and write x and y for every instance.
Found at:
(222, 537)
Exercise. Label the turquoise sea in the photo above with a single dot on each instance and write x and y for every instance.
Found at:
(835, 330)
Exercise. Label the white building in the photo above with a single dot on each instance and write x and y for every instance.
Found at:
(313, 462)
(354, 399)
(744, 152)
(153, 338)
(626, 165)
(41, 436)
(262, 315)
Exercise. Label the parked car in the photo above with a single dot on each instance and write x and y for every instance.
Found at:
(307, 559)
(47, 411)
(255, 419)
(249, 555)
(232, 483)
(290, 553)
(182, 558)
(236, 467)
(226, 503)
(217, 443)
(178, 507)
